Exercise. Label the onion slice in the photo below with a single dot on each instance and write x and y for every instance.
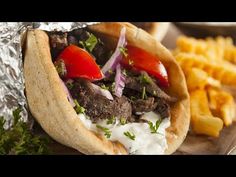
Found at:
(102, 91)
(69, 97)
(119, 81)
(116, 56)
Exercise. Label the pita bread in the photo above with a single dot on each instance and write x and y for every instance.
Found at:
(157, 29)
(48, 102)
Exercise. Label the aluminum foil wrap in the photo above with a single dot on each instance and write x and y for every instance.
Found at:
(11, 71)
(11, 63)
(61, 26)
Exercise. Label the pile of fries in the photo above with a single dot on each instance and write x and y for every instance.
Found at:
(208, 64)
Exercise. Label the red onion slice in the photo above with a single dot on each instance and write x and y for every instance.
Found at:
(69, 97)
(117, 55)
(119, 81)
(103, 92)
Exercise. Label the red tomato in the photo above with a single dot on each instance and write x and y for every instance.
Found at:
(143, 60)
(80, 64)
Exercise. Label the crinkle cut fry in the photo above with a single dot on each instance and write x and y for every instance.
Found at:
(223, 72)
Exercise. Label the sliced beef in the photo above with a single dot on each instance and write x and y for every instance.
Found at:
(151, 87)
(81, 34)
(100, 52)
(97, 106)
(140, 106)
(157, 101)
(162, 108)
(72, 40)
(121, 108)
(58, 42)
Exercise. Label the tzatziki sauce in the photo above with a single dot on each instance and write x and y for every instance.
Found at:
(145, 142)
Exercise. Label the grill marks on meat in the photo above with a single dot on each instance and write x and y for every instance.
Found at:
(97, 106)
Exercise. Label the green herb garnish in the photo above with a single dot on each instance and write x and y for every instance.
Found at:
(123, 50)
(113, 86)
(154, 128)
(110, 71)
(103, 86)
(111, 120)
(154, 92)
(143, 79)
(19, 140)
(129, 135)
(133, 98)
(106, 131)
(131, 62)
(90, 43)
(79, 109)
(123, 121)
(61, 68)
(124, 72)
(144, 94)
(2, 122)
(69, 84)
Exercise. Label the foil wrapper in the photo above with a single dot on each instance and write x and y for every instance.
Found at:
(11, 71)
(61, 26)
(11, 63)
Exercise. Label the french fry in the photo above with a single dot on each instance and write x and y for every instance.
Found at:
(230, 54)
(198, 79)
(207, 64)
(199, 103)
(191, 45)
(220, 48)
(202, 120)
(207, 125)
(222, 105)
(223, 71)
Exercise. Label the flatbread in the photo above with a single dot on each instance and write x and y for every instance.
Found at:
(157, 29)
(48, 102)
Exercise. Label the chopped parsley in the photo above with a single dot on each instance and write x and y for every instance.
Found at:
(61, 68)
(69, 84)
(19, 140)
(154, 92)
(123, 50)
(144, 94)
(124, 72)
(123, 121)
(110, 71)
(79, 109)
(113, 86)
(106, 131)
(90, 43)
(154, 128)
(131, 62)
(112, 120)
(129, 135)
(103, 86)
(133, 98)
(143, 79)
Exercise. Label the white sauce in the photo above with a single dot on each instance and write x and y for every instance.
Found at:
(145, 142)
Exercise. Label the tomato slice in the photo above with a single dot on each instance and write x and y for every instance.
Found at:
(142, 60)
(79, 64)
